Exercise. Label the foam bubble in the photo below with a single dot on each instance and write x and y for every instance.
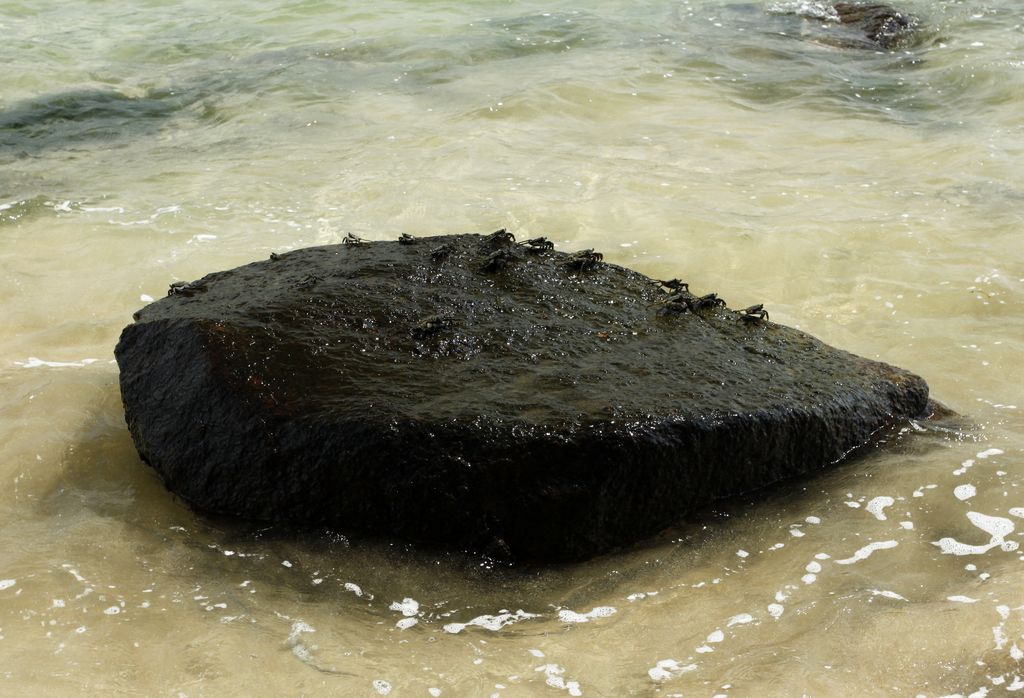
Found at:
(867, 550)
(34, 362)
(740, 619)
(996, 526)
(567, 616)
(964, 492)
(489, 622)
(553, 674)
(877, 505)
(408, 607)
(667, 668)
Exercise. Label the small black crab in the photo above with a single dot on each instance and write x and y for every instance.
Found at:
(584, 260)
(406, 239)
(501, 237)
(498, 260)
(705, 302)
(441, 251)
(184, 288)
(681, 303)
(352, 239)
(537, 245)
(754, 314)
(674, 285)
(274, 256)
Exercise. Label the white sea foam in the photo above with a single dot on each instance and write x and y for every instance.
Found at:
(964, 467)
(668, 668)
(964, 492)
(408, 607)
(554, 677)
(34, 362)
(996, 526)
(867, 550)
(877, 506)
(490, 622)
(567, 616)
(812, 9)
(740, 619)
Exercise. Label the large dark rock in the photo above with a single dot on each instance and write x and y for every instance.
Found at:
(470, 392)
(883, 26)
(856, 25)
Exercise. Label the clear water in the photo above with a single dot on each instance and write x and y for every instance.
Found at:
(872, 199)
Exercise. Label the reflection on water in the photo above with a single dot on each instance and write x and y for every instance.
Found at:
(869, 198)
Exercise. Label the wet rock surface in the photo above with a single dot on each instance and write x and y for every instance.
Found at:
(882, 25)
(477, 393)
(853, 25)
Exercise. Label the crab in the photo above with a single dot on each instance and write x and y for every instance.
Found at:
(501, 237)
(584, 260)
(677, 303)
(352, 239)
(681, 303)
(274, 256)
(674, 285)
(179, 288)
(497, 260)
(441, 251)
(406, 239)
(711, 300)
(537, 244)
(753, 314)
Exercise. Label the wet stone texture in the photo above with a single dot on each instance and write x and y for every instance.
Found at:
(477, 393)
(884, 27)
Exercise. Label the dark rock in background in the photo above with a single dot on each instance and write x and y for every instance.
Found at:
(882, 25)
(859, 25)
(470, 392)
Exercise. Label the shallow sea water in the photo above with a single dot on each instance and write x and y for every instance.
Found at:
(872, 199)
